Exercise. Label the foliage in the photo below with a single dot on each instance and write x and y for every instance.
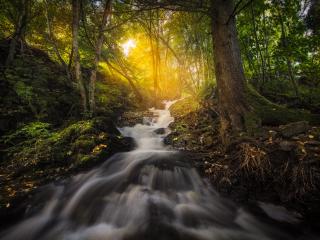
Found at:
(35, 88)
(281, 56)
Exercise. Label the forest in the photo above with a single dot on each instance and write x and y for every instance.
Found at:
(159, 119)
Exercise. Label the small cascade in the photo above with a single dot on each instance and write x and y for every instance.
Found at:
(146, 135)
(150, 193)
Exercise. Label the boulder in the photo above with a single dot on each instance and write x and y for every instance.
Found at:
(272, 134)
(293, 129)
(160, 131)
(287, 146)
(313, 143)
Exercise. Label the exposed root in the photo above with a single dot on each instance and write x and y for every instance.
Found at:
(254, 160)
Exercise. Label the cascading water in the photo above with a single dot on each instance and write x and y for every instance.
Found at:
(149, 193)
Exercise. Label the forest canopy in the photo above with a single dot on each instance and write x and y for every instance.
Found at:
(170, 49)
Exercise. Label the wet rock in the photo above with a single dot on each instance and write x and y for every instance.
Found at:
(295, 138)
(287, 146)
(167, 140)
(293, 129)
(129, 119)
(313, 143)
(272, 134)
(105, 124)
(122, 144)
(160, 131)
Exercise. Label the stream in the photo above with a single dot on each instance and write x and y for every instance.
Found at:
(150, 193)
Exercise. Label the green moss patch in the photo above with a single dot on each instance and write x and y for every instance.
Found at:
(274, 114)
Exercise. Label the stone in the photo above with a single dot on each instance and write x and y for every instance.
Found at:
(293, 129)
(313, 143)
(272, 134)
(160, 131)
(287, 146)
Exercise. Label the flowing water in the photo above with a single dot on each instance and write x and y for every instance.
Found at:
(149, 193)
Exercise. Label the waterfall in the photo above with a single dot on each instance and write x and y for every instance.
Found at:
(150, 193)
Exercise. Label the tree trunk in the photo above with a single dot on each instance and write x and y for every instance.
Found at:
(125, 74)
(53, 41)
(288, 61)
(228, 69)
(75, 51)
(259, 52)
(98, 49)
(20, 29)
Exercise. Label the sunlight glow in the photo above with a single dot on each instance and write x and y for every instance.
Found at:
(127, 46)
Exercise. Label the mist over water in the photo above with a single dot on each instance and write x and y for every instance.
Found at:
(149, 193)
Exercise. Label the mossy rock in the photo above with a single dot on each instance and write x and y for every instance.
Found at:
(274, 114)
(84, 145)
(184, 106)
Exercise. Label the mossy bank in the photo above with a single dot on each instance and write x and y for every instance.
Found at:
(44, 135)
(277, 163)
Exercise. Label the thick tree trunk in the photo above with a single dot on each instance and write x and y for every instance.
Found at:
(75, 50)
(98, 49)
(19, 33)
(228, 69)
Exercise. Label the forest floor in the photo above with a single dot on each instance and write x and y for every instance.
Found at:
(278, 165)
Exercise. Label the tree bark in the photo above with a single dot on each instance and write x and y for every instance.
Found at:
(98, 49)
(228, 69)
(75, 51)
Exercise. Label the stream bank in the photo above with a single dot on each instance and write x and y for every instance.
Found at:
(150, 192)
(279, 165)
(44, 136)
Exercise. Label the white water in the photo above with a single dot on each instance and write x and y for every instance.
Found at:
(144, 134)
(150, 193)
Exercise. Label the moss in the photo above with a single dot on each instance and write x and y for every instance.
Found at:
(28, 131)
(37, 144)
(252, 123)
(85, 159)
(184, 106)
(73, 131)
(308, 97)
(34, 89)
(274, 114)
(84, 145)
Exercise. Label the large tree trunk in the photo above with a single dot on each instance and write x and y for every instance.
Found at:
(228, 69)
(19, 33)
(75, 50)
(98, 49)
